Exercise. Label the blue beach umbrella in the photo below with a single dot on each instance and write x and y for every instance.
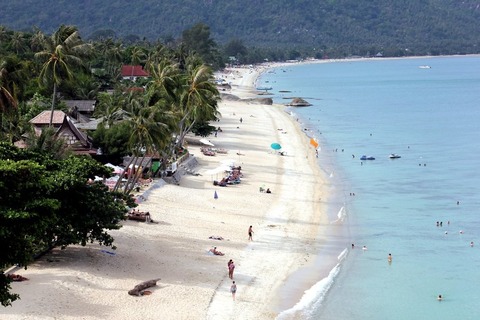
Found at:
(276, 146)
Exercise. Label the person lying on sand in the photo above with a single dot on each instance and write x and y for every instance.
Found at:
(215, 237)
(216, 252)
(16, 277)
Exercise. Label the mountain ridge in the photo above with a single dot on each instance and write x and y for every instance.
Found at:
(427, 25)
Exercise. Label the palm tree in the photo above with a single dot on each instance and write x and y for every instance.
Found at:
(3, 35)
(37, 40)
(12, 78)
(13, 75)
(63, 51)
(150, 131)
(198, 97)
(137, 55)
(7, 95)
(165, 76)
(18, 42)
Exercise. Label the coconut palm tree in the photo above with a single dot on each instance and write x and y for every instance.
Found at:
(164, 82)
(150, 131)
(137, 55)
(198, 97)
(7, 94)
(63, 51)
(37, 40)
(18, 42)
(12, 77)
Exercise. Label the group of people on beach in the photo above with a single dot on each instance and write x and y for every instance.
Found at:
(231, 266)
(230, 263)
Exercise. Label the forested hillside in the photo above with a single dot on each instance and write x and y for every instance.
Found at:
(356, 26)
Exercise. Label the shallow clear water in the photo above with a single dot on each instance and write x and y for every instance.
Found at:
(431, 117)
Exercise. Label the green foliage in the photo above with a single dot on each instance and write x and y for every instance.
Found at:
(46, 202)
(198, 40)
(321, 27)
(203, 129)
(113, 141)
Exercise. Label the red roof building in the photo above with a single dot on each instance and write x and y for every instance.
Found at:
(134, 72)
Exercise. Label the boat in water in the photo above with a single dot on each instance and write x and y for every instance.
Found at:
(394, 156)
(425, 67)
(364, 157)
(264, 88)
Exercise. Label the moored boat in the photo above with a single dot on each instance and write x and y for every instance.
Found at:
(394, 156)
(364, 157)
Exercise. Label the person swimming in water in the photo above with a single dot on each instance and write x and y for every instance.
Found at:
(439, 298)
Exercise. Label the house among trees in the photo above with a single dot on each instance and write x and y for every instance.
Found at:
(75, 139)
(85, 107)
(134, 72)
(81, 110)
(65, 128)
(42, 120)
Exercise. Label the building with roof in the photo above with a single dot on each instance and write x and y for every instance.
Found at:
(133, 72)
(65, 128)
(42, 120)
(86, 107)
(75, 139)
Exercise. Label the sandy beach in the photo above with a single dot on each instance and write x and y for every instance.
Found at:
(92, 282)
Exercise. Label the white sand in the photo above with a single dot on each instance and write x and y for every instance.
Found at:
(87, 283)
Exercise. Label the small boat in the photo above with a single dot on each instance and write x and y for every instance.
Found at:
(425, 67)
(367, 157)
(264, 88)
(394, 156)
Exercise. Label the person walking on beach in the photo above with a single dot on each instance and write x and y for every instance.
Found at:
(231, 268)
(228, 266)
(233, 290)
(250, 233)
(241, 120)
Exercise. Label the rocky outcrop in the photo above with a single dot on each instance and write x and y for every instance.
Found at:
(299, 102)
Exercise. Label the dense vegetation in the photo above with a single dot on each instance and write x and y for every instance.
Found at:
(46, 202)
(324, 27)
(48, 196)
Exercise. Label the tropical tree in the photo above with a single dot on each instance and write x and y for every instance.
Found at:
(61, 208)
(7, 99)
(198, 97)
(164, 84)
(18, 42)
(37, 40)
(150, 131)
(109, 53)
(197, 40)
(137, 55)
(63, 51)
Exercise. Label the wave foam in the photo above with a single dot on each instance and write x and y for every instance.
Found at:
(341, 215)
(312, 297)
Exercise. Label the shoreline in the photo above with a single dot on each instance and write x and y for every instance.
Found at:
(86, 283)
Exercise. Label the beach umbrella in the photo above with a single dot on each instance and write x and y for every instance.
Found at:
(314, 143)
(116, 169)
(276, 146)
(215, 195)
(206, 142)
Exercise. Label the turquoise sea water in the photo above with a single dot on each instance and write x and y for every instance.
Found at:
(431, 118)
